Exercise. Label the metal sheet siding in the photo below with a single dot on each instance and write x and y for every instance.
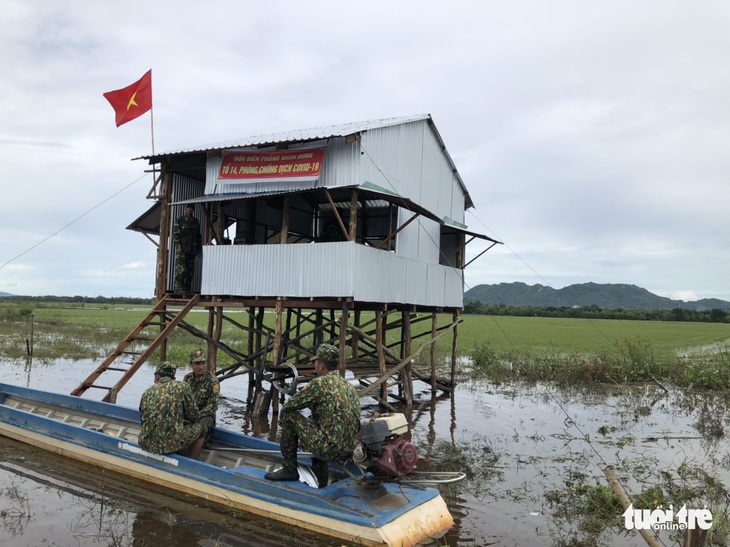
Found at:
(341, 269)
(409, 159)
(436, 186)
(392, 158)
(212, 168)
(419, 240)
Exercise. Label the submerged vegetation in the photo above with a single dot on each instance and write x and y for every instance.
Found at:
(633, 360)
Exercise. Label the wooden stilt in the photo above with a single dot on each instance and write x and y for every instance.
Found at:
(250, 348)
(344, 318)
(380, 352)
(455, 346)
(356, 338)
(434, 326)
(406, 350)
(695, 537)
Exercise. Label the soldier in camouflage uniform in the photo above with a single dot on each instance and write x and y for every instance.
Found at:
(170, 418)
(188, 244)
(335, 421)
(205, 388)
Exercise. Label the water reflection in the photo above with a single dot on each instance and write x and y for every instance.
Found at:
(160, 526)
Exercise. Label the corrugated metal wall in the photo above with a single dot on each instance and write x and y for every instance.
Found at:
(342, 269)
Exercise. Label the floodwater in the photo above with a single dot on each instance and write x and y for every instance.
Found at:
(518, 442)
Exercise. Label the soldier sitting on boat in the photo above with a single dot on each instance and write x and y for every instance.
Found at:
(205, 388)
(170, 418)
(334, 423)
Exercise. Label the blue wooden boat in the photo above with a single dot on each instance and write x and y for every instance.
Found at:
(230, 471)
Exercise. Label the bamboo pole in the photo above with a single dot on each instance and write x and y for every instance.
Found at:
(650, 537)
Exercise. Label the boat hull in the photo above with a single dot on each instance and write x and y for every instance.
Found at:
(389, 515)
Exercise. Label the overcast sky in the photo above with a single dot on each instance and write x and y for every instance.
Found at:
(593, 136)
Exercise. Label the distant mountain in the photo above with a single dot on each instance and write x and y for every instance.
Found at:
(5, 294)
(605, 296)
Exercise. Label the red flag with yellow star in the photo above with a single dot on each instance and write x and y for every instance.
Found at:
(132, 101)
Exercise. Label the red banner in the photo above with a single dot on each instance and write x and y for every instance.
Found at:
(278, 164)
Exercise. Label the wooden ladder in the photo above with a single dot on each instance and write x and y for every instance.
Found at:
(159, 316)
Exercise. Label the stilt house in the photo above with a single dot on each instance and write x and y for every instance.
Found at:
(318, 225)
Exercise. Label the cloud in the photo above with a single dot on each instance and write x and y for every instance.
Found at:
(592, 137)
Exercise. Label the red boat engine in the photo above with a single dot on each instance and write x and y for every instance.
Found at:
(398, 459)
(383, 449)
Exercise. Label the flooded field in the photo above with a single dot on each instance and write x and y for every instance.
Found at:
(534, 455)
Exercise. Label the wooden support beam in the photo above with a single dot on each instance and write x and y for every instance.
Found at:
(165, 224)
(393, 234)
(404, 362)
(285, 221)
(353, 215)
(337, 215)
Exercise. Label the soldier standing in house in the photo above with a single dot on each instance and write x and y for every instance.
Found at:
(188, 244)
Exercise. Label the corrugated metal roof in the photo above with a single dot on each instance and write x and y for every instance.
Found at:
(321, 133)
(300, 135)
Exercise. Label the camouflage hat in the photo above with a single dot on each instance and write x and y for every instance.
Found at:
(197, 356)
(327, 353)
(166, 369)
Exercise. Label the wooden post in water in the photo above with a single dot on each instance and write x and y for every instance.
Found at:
(454, 348)
(695, 537)
(434, 326)
(32, 325)
(212, 352)
(406, 344)
(250, 346)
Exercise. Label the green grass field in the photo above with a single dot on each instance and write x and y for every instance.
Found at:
(500, 347)
(542, 335)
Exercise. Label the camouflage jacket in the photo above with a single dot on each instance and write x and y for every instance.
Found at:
(186, 234)
(205, 391)
(335, 410)
(165, 408)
